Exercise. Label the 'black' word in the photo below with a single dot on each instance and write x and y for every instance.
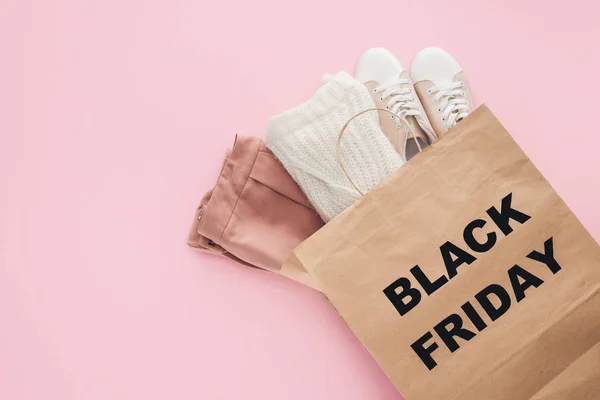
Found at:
(409, 297)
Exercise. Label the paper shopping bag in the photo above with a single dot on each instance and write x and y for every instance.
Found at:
(466, 276)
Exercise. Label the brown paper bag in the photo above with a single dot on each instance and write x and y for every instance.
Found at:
(466, 276)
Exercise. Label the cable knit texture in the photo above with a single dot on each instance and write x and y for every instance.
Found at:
(304, 139)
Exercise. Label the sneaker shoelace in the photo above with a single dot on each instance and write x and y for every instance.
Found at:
(402, 101)
(453, 105)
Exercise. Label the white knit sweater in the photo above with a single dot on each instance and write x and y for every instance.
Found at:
(304, 140)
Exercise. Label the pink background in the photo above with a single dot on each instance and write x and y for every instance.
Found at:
(114, 115)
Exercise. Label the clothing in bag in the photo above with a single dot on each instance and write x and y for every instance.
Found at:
(304, 139)
(256, 214)
(465, 275)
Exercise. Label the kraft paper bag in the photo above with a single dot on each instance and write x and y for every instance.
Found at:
(466, 276)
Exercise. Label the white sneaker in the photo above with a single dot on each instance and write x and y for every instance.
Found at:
(391, 88)
(442, 87)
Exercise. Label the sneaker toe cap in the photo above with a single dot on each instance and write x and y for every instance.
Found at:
(434, 64)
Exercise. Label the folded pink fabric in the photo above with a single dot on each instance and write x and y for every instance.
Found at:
(256, 214)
